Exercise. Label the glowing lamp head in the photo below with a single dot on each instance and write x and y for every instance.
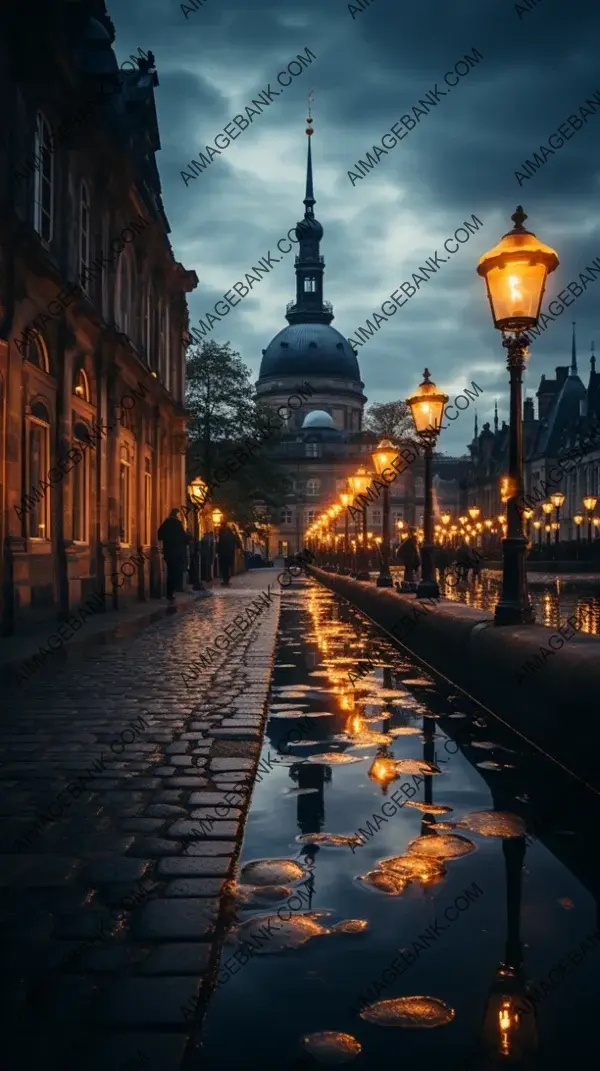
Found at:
(360, 481)
(197, 489)
(445, 518)
(578, 518)
(345, 499)
(590, 503)
(557, 499)
(217, 516)
(547, 507)
(515, 272)
(383, 455)
(427, 407)
(474, 512)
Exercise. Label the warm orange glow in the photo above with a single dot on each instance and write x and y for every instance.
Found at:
(383, 456)
(217, 516)
(547, 507)
(445, 518)
(427, 406)
(590, 503)
(557, 499)
(515, 272)
(360, 481)
(578, 518)
(474, 512)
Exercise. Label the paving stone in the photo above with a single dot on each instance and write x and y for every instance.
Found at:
(176, 919)
(164, 810)
(205, 867)
(237, 734)
(184, 829)
(131, 1052)
(178, 958)
(189, 782)
(211, 847)
(146, 1001)
(153, 847)
(225, 765)
(195, 887)
(220, 812)
(142, 825)
(215, 799)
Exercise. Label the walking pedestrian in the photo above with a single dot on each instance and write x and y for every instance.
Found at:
(226, 547)
(408, 555)
(175, 541)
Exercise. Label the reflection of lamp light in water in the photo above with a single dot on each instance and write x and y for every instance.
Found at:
(383, 768)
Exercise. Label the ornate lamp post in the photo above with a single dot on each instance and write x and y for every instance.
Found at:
(358, 485)
(528, 514)
(538, 527)
(345, 499)
(590, 505)
(515, 272)
(197, 492)
(547, 508)
(578, 521)
(217, 518)
(383, 455)
(427, 409)
(557, 501)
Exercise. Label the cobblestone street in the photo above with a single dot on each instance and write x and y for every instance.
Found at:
(110, 917)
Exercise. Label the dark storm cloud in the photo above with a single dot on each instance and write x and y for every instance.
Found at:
(539, 65)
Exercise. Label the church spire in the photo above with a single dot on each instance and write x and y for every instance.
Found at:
(573, 353)
(476, 430)
(496, 415)
(593, 358)
(309, 307)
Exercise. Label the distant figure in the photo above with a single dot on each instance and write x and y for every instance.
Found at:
(308, 555)
(464, 561)
(226, 545)
(408, 555)
(175, 541)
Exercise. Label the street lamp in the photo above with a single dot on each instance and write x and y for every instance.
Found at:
(217, 518)
(528, 514)
(578, 520)
(515, 273)
(547, 508)
(474, 512)
(345, 499)
(538, 527)
(427, 409)
(557, 501)
(590, 505)
(197, 490)
(359, 483)
(383, 455)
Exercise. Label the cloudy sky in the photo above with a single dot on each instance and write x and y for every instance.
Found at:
(538, 68)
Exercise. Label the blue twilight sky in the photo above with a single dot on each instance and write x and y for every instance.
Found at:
(539, 66)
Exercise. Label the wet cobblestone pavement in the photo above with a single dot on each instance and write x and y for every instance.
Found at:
(108, 913)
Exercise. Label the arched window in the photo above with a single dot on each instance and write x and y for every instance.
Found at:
(84, 234)
(147, 502)
(36, 352)
(38, 467)
(123, 292)
(81, 386)
(81, 485)
(125, 495)
(43, 188)
(313, 487)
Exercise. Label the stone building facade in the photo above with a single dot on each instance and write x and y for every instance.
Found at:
(92, 313)
(568, 412)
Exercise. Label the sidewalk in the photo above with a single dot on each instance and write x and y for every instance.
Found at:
(108, 627)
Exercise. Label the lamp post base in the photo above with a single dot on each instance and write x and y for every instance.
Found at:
(514, 607)
(428, 589)
(384, 581)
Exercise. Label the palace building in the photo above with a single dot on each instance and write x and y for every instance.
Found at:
(92, 313)
(324, 441)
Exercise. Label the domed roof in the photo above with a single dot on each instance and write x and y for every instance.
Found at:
(318, 418)
(309, 349)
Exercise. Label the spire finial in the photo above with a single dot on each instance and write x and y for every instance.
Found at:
(519, 218)
(309, 199)
(476, 432)
(593, 358)
(573, 353)
(495, 414)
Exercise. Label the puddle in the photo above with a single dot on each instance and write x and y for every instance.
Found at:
(442, 887)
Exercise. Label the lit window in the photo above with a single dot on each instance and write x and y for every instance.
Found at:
(313, 487)
(81, 388)
(36, 352)
(43, 189)
(84, 234)
(312, 516)
(310, 286)
(125, 495)
(147, 502)
(38, 467)
(81, 485)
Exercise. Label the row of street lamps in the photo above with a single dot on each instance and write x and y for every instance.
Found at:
(515, 272)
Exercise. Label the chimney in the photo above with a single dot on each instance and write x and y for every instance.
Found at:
(545, 396)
